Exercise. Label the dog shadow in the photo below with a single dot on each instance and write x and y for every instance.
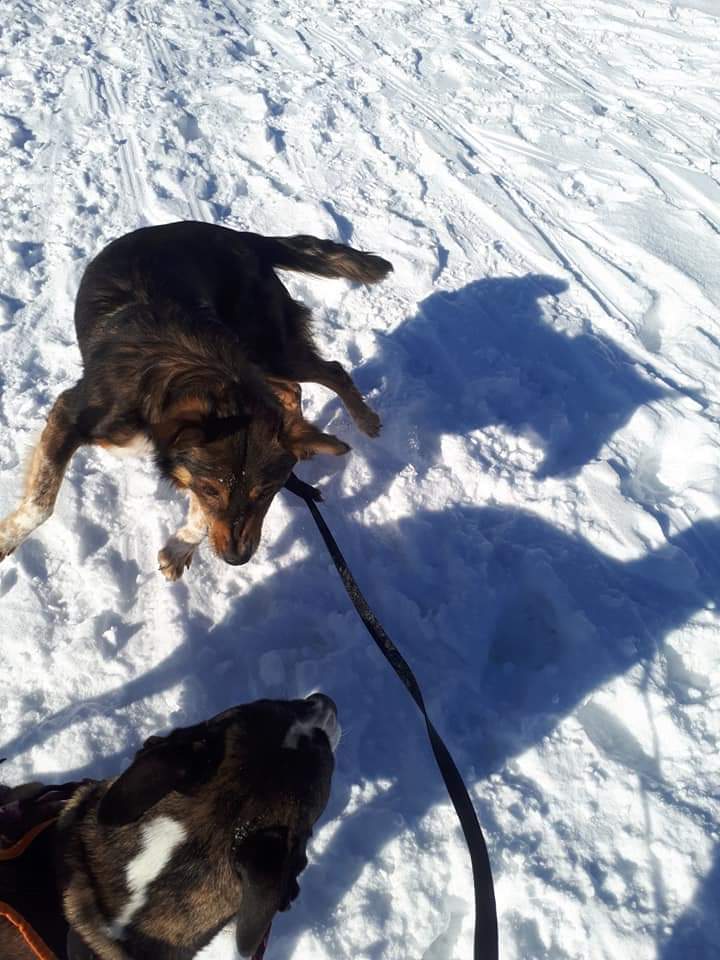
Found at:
(484, 355)
(510, 623)
(507, 639)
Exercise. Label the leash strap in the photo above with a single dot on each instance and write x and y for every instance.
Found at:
(486, 928)
(17, 849)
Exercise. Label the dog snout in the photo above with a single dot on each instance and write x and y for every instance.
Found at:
(324, 715)
(244, 540)
(242, 545)
(321, 704)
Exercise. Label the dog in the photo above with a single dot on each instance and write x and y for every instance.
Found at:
(208, 825)
(193, 350)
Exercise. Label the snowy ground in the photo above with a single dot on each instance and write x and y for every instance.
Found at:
(538, 525)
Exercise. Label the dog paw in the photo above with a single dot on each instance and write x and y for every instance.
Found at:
(175, 558)
(369, 422)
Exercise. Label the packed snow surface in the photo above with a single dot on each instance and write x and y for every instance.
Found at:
(538, 526)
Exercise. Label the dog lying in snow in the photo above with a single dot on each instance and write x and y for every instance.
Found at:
(193, 349)
(208, 825)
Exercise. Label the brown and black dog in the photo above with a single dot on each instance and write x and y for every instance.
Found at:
(193, 349)
(209, 825)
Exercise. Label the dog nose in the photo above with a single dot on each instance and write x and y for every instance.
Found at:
(241, 554)
(234, 559)
(243, 542)
(316, 712)
(321, 704)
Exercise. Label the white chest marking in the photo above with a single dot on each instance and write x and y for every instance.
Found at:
(158, 841)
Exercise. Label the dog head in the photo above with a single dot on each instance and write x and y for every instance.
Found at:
(208, 824)
(234, 458)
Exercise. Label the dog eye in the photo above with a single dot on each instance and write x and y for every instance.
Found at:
(206, 489)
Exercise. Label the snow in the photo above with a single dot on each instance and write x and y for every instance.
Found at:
(538, 524)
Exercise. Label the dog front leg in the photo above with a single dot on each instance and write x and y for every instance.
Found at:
(330, 374)
(176, 556)
(59, 441)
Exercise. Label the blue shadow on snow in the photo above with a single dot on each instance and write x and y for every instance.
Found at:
(508, 621)
(484, 355)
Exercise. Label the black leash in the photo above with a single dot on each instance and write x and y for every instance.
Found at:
(486, 929)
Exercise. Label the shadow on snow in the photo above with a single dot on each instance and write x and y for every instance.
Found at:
(508, 621)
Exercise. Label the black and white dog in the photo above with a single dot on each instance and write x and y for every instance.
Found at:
(208, 825)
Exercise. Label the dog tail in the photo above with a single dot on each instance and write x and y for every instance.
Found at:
(325, 259)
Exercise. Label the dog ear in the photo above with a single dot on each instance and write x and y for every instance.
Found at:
(298, 436)
(179, 424)
(178, 763)
(303, 441)
(288, 393)
(268, 871)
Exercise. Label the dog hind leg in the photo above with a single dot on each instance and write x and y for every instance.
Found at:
(176, 556)
(330, 374)
(59, 441)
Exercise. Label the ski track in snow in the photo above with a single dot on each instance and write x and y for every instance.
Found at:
(537, 526)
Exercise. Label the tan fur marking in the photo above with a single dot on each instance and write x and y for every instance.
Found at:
(194, 407)
(305, 440)
(57, 444)
(183, 476)
(288, 392)
(220, 537)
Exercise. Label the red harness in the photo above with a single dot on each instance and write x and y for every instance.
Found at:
(9, 914)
